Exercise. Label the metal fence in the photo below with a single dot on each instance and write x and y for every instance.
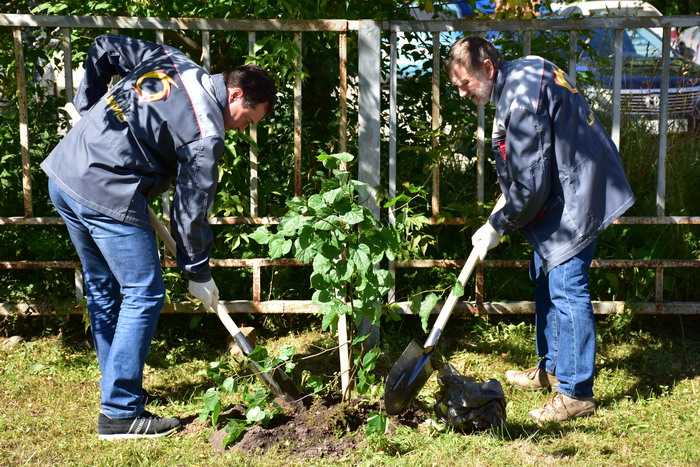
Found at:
(369, 35)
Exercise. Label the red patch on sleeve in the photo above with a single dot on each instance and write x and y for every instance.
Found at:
(502, 149)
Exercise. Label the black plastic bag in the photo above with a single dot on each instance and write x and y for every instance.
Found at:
(468, 405)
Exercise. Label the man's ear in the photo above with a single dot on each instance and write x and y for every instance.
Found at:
(489, 68)
(234, 93)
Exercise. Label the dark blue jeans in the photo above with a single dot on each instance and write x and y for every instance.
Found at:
(125, 293)
(564, 322)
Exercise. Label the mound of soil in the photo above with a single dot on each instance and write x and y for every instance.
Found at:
(325, 429)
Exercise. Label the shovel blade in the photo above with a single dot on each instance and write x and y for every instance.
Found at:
(406, 378)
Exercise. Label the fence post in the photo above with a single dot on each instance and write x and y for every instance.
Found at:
(369, 167)
(23, 121)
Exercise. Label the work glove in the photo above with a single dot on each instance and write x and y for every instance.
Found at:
(207, 292)
(486, 237)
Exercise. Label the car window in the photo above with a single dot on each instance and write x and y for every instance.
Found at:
(636, 43)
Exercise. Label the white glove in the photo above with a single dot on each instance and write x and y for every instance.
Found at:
(207, 292)
(486, 237)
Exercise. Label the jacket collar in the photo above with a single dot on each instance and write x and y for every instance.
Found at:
(499, 81)
(220, 90)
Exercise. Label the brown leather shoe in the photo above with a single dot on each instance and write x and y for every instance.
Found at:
(561, 407)
(532, 379)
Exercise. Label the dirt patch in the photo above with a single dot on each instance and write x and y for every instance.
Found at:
(325, 429)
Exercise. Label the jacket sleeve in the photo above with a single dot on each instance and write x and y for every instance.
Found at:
(195, 189)
(109, 56)
(528, 161)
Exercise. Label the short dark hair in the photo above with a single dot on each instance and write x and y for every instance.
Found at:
(471, 52)
(257, 85)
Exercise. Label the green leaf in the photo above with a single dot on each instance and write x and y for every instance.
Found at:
(318, 281)
(234, 430)
(261, 235)
(316, 202)
(457, 289)
(330, 318)
(376, 424)
(321, 297)
(362, 189)
(291, 223)
(229, 384)
(259, 355)
(330, 197)
(286, 352)
(354, 216)
(360, 339)
(426, 307)
(360, 257)
(321, 264)
(370, 357)
(255, 414)
(279, 247)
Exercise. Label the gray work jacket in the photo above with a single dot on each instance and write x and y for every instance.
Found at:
(560, 172)
(161, 123)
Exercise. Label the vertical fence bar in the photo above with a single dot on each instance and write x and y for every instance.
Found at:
(480, 153)
(297, 118)
(573, 40)
(369, 112)
(617, 86)
(256, 282)
(159, 36)
(435, 118)
(663, 123)
(527, 42)
(344, 356)
(78, 281)
(369, 161)
(253, 153)
(67, 63)
(23, 121)
(206, 50)
(392, 145)
(343, 97)
(659, 296)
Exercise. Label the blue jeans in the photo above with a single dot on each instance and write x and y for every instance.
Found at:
(125, 293)
(564, 322)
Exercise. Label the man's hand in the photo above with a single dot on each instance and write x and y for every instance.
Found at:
(207, 292)
(486, 237)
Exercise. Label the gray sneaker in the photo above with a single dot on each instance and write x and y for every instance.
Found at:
(532, 379)
(561, 407)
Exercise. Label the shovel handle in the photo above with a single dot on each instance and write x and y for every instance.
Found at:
(220, 311)
(476, 255)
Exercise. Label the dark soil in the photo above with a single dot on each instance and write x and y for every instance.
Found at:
(325, 429)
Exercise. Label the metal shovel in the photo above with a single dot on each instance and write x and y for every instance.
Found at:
(277, 380)
(413, 368)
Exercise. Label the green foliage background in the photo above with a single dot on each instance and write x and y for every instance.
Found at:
(456, 155)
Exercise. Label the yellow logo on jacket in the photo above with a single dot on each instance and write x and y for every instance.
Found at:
(560, 79)
(165, 81)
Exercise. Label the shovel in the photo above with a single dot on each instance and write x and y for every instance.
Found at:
(412, 369)
(277, 380)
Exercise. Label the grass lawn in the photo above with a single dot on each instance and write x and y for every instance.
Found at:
(648, 390)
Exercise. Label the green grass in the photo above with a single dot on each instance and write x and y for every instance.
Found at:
(648, 388)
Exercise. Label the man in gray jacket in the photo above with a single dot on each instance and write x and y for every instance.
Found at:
(162, 124)
(562, 183)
